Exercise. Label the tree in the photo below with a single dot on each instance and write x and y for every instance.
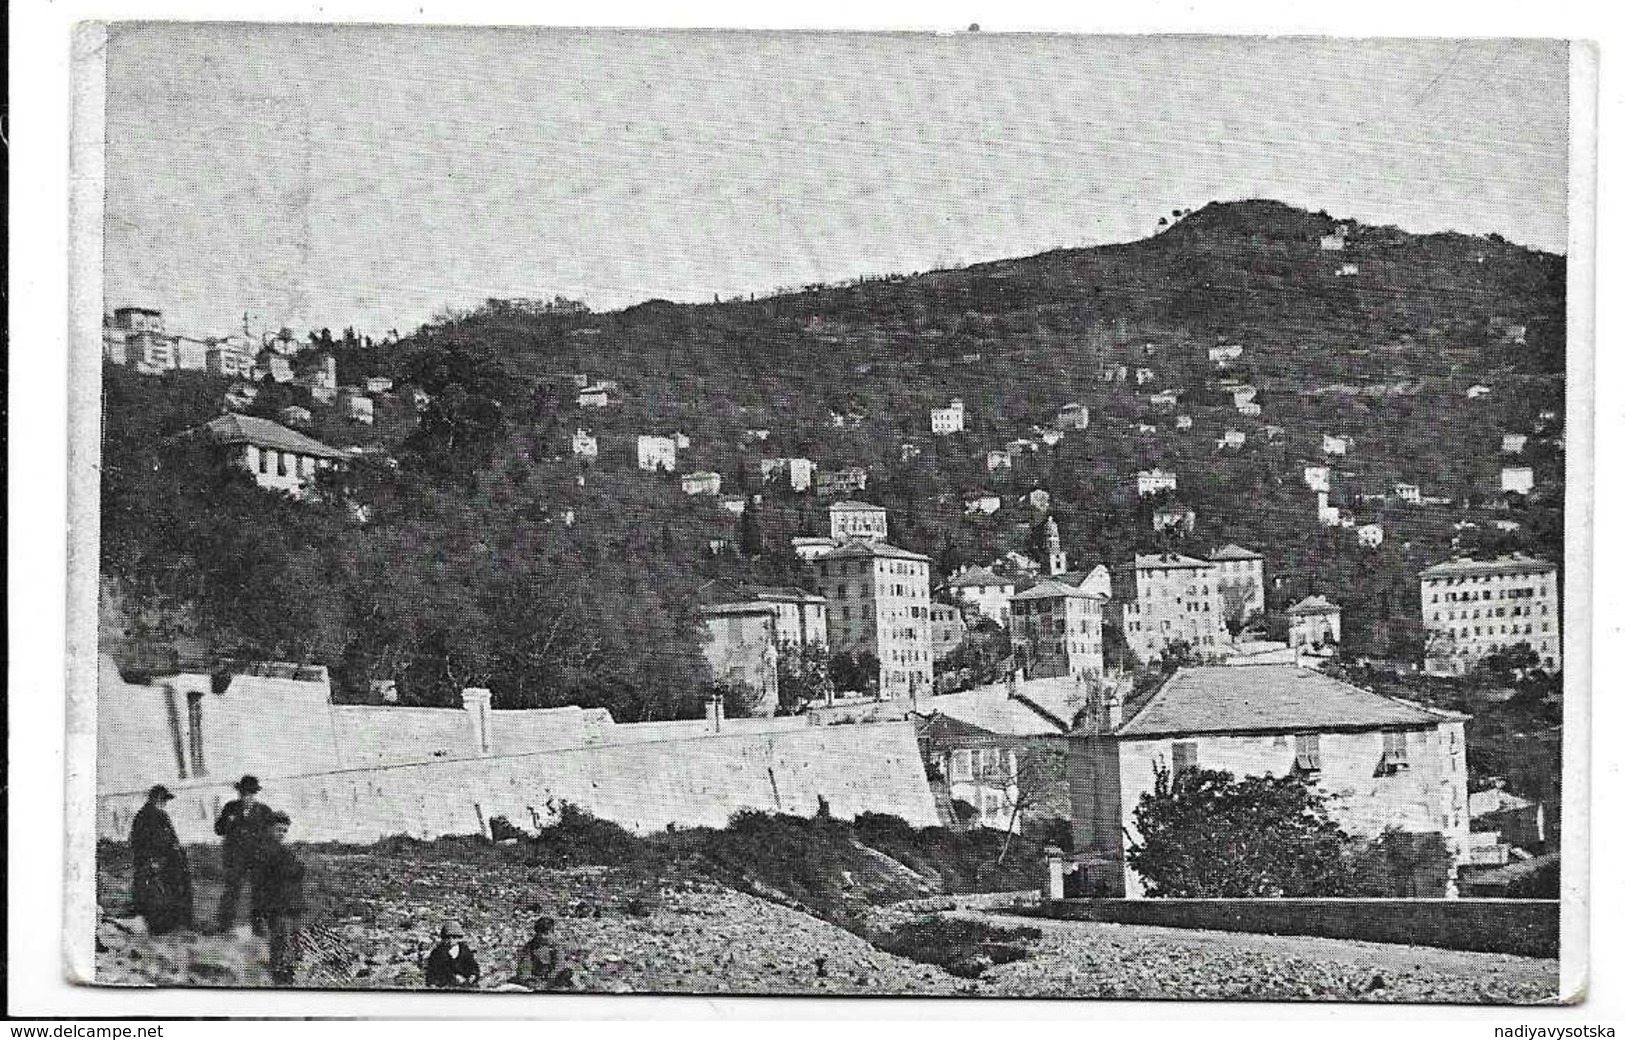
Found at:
(1233, 595)
(804, 674)
(1203, 834)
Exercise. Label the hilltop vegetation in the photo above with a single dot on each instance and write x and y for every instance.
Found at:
(491, 557)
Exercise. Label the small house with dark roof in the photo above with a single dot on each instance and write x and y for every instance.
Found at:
(1313, 623)
(1384, 763)
(279, 459)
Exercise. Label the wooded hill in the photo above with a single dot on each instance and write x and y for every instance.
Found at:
(467, 539)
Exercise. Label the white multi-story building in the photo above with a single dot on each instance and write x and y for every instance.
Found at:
(880, 601)
(1473, 607)
(802, 616)
(1151, 481)
(1072, 417)
(656, 453)
(1318, 478)
(1059, 626)
(1513, 443)
(1517, 479)
(985, 592)
(849, 521)
(1232, 440)
(704, 482)
(1332, 445)
(1410, 493)
(1224, 354)
(1167, 598)
(1240, 566)
(950, 419)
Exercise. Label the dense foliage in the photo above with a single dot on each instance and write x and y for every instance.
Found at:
(1203, 834)
(490, 556)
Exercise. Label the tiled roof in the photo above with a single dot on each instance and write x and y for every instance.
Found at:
(1516, 564)
(750, 607)
(1269, 699)
(852, 504)
(1236, 552)
(1049, 588)
(1167, 561)
(781, 593)
(861, 550)
(978, 576)
(263, 433)
(1481, 803)
(1313, 605)
(992, 708)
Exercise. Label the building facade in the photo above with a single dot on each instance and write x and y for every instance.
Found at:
(1072, 417)
(799, 472)
(1168, 598)
(985, 592)
(947, 630)
(1392, 764)
(1517, 480)
(840, 481)
(1471, 608)
(1150, 481)
(880, 602)
(1314, 623)
(857, 520)
(656, 453)
(1059, 627)
(743, 650)
(1241, 567)
(279, 459)
(704, 482)
(950, 419)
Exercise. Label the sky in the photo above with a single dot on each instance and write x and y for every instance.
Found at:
(373, 177)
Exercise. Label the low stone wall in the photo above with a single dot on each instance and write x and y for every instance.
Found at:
(1526, 927)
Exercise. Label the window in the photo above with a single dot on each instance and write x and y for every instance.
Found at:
(960, 770)
(1394, 752)
(1184, 754)
(1307, 757)
(281, 463)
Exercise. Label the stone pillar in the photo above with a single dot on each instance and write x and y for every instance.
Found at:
(1057, 871)
(715, 712)
(477, 702)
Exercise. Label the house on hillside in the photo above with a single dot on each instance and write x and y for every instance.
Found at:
(1251, 409)
(1175, 517)
(878, 596)
(799, 472)
(989, 774)
(1151, 481)
(949, 420)
(1409, 493)
(810, 547)
(230, 357)
(1274, 433)
(851, 520)
(1518, 480)
(656, 453)
(1021, 446)
(1332, 445)
(1164, 598)
(802, 617)
(1243, 395)
(998, 460)
(1348, 270)
(379, 384)
(1241, 575)
(1233, 440)
(1050, 437)
(279, 459)
(1183, 422)
(846, 481)
(295, 415)
(1328, 514)
(1165, 399)
(239, 396)
(1471, 608)
(1072, 416)
(1318, 478)
(596, 395)
(1113, 373)
(583, 445)
(1513, 443)
(1143, 376)
(985, 592)
(1396, 765)
(358, 406)
(1038, 498)
(756, 433)
(743, 650)
(320, 376)
(1147, 429)
(1314, 622)
(703, 482)
(1059, 627)
(1225, 354)
(1370, 535)
(1332, 243)
(1476, 391)
(734, 505)
(982, 503)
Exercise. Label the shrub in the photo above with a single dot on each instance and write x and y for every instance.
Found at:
(958, 945)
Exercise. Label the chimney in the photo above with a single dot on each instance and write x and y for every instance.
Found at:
(715, 713)
(1114, 711)
(477, 702)
(1015, 681)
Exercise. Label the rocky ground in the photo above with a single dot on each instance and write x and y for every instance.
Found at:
(629, 932)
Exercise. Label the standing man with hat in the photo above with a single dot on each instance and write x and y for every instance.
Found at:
(162, 892)
(242, 823)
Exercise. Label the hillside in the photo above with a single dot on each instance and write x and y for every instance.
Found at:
(465, 528)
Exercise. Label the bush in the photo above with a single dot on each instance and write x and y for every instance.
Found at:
(960, 946)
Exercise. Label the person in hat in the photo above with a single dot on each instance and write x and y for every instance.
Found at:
(451, 963)
(162, 889)
(242, 824)
(278, 897)
(538, 966)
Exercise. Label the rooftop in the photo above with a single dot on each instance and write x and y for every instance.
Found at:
(977, 576)
(1514, 564)
(1270, 699)
(1167, 561)
(852, 505)
(263, 433)
(1049, 588)
(783, 593)
(884, 550)
(1313, 605)
(1042, 707)
(1236, 552)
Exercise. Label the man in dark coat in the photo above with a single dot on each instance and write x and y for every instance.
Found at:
(451, 963)
(162, 892)
(242, 823)
(279, 894)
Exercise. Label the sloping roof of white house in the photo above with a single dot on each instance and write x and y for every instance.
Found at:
(853, 506)
(1314, 605)
(978, 577)
(1514, 564)
(1043, 707)
(1167, 561)
(1236, 552)
(1049, 588)
(263, 433)
(861, 550)
(1265, 699)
